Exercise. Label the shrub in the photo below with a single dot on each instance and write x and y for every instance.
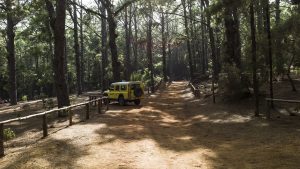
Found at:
(50, 104)
(136, 76)
(145, 77)
(9, 134)
(24, 98)
(233, 84)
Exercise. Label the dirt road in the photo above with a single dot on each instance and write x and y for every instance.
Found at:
(170, 130)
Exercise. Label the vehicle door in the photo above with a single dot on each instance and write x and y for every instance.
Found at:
(117, 91)
(124, 91)
(111, 92)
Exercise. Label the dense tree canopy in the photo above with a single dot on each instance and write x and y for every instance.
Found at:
(240, 44)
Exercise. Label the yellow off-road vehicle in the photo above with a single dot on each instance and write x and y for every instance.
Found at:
(124, 92)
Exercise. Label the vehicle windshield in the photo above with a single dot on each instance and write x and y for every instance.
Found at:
(112, 87)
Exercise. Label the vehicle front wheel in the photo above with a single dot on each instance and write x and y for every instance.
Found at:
(122, 101)
(137, 102)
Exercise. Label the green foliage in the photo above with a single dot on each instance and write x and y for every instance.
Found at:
(49, 104)
(9, 134)
(34, 45)
(144, 76)
(233, 83)
(24, 98)
(157, 79)
(136, 76)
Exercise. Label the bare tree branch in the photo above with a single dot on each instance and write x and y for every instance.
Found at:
(51, 13)
(177, 14)
(88, 9)
(126, 4)
(69, 9)
(2, 6)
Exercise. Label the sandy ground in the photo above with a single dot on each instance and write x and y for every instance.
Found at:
(171, 129)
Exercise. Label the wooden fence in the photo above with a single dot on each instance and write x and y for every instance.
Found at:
(269, 104)
(68, 109)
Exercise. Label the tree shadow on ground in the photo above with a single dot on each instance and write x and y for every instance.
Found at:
(63, 155)
(30, 131)
(237, 139)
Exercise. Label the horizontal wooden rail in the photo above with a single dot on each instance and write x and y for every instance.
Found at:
(44, 118)
(49, 112)
(268, 100)
(283, 100)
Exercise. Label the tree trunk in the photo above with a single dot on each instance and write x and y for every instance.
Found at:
(233, 44)
(149, 48)
(268, 29)
(259, 16)
(236, 86)
(112, 26)
(278, 51)
(82, 50)
(58, 26)
(164, 53)
(188, 39)
(218, 51)
(51, 87)
(127, 71)
(192, 34)
(113, 46)
(213, 52)
(288, 74)
(169, 61)
(169, 47)
(66, 64)
(130, 40)
(10, 47)
(203, 41)
(104, 56)
(77, 52)
(254, 64)
(135, 48)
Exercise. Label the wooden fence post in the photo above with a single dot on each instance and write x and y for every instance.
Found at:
(70, 117)
(107, 103)
(87, 111)
(268, 110)
(45, 127)
(1, 140)
(95, 102)
(99, 105)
